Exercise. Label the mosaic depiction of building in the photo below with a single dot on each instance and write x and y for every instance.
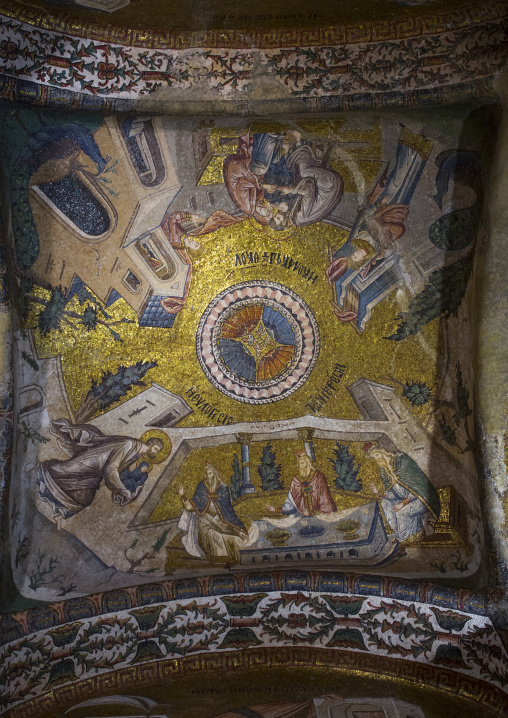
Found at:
(233, 352)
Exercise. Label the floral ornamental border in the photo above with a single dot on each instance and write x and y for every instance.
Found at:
(395, 28)
(15, 626)
(127, 72)
(366, 625)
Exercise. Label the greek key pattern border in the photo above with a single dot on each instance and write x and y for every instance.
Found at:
(450, 651)
(395, 28)
(115, 71)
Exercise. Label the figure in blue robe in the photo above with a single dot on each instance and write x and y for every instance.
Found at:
(299, 187)
(379, 223)
(269, 161)
(211, 528)
(134, 479)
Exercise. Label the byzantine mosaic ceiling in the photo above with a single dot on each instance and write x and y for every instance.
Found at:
(270, 285)
(244, 346)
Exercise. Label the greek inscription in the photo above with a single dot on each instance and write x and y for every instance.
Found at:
(328, 389)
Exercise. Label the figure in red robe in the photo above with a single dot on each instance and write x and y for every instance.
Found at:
(308, 494)
(380, 222)
(311, 195)
(181, 230)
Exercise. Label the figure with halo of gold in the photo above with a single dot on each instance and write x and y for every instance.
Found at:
(70, 485)
(279, 181)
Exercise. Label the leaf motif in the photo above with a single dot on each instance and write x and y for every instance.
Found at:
(160, 541)
(89, 319)
(417, 393)
(51, 317)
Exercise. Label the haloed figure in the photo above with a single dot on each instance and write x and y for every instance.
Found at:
(70, 485)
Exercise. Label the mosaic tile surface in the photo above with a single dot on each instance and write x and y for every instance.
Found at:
(411, 631)
(242, 345)
(444, 57)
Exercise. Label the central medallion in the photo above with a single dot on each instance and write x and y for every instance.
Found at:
(257, 342)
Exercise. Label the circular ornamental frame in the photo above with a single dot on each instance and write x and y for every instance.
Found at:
(257, 342)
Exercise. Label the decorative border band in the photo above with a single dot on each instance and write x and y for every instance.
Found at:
(163, 671)
(31, 93)
(395, 28)
(16, 625)
(358, 71)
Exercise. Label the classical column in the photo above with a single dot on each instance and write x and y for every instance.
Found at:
(247, 487)
(306, 436)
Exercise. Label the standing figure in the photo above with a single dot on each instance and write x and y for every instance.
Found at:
(212, 530)
(409, 496)
(70, 485)
(308, 494)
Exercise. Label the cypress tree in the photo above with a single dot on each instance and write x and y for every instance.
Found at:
(269, 471)
(346, 469)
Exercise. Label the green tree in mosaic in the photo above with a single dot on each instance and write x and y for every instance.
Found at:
(458, 409)
(441, 297)
(54, 313)
(112, 387)
(346, 469)
(269, 471)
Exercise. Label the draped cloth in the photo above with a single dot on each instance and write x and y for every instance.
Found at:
(382, 219)
(176, 227)
(242, 184)
(414, 488)
(319, 188)
(308, 497)
(70, 485)
(212, 530)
